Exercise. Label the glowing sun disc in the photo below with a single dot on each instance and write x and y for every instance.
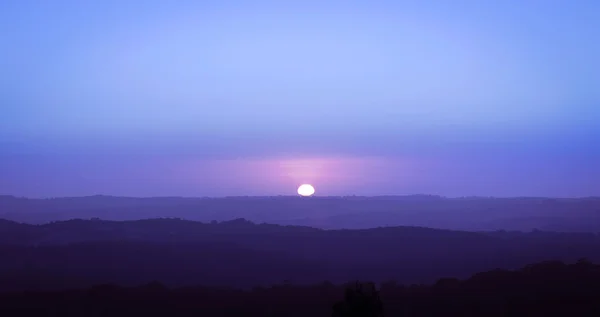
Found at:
(306, 190)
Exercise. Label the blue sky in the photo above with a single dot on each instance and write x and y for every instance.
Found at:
(363, 97)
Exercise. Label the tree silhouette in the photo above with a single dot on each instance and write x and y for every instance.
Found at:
(360, 300)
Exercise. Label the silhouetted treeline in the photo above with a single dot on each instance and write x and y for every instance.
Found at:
(468, 213)
(239, 253)
(543, 289)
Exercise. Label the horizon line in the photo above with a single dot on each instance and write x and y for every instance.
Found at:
(301, 197)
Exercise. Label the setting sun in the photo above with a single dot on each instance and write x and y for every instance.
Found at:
(306, 190)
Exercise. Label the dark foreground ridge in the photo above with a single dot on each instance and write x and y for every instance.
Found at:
(544, 289)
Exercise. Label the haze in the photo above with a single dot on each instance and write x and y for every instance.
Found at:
(211, 98)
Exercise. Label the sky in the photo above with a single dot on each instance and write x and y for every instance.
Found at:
(227, 98)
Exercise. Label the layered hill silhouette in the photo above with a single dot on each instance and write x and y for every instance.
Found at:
(469, 213)
(239, 253)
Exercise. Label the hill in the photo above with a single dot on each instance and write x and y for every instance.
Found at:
(180, 252)
(542, 289)
(470, 214)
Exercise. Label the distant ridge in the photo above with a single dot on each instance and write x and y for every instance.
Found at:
(351, 212)
(412, 196)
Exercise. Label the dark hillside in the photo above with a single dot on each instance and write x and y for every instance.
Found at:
(132, 251)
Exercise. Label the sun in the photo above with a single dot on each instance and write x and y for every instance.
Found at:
(306, 190)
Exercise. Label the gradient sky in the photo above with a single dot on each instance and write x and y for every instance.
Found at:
(214, 98)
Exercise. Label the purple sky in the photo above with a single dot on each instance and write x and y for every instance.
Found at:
(206, 98)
